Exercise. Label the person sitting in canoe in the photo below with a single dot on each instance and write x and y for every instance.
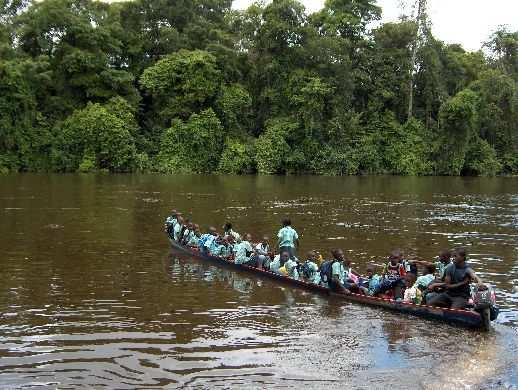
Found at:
(393, 274)
(195, 238)
(309, 269)
(223, 248)
(412, 293)
(188, 234)
(184, 229)
(333, 273)
(410, 266)
(423, 281)
(178, 228)
(279, 261)
(207, 242)
(170, 220)
(243, 250)
(455, 289)
(227, 231)
(370, 283)
(262, 251)
(290, 268)
(288, 238)
(443, 260)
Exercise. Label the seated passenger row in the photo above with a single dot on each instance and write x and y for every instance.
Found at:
(445, 282)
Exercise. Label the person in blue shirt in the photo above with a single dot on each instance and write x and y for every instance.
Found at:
(288, 238)
(207, 242)
(243, 251)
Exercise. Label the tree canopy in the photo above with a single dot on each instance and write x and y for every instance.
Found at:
(194, 86)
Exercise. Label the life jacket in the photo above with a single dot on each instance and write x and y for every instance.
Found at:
(326, 271)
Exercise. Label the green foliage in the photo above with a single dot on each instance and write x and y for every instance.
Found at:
(408, 152)
(198, 87)
(94, 138)
(237, 157)
(233, 106)
(194, 146)
(457, 118)
(481, 159)
(271, 148)
(182, 83)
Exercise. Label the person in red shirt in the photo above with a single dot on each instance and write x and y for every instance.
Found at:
(393, 274)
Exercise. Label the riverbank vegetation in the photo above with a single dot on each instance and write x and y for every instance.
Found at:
(197, 87)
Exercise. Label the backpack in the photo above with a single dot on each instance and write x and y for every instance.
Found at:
(170, 231)
(326, 271)
(305, 270)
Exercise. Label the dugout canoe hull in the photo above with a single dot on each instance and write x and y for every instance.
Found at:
(466, 318)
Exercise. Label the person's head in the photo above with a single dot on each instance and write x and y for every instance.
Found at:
(196, 227)
(174, 212)
(459, 256)
(338, 254)
(213, 231)
(397, 255)
(284, 255)
(393, 259)
(248, 237)
(286, 222)
(410, 279)
(429, 269)
(370, 270)
(347, 262)
(227, 227)
(445, 256)
(180, 219)
(312, 255)
(190, 226)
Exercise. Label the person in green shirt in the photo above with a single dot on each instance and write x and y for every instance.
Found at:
(338, 273)
(288, 238)
(423, 281)
(243, 250)
(195, 238)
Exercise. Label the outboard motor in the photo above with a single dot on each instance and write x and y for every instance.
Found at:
(484, 300)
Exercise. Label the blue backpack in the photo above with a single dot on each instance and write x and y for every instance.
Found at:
(326, 271)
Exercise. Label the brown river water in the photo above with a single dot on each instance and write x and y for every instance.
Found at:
(91, 294)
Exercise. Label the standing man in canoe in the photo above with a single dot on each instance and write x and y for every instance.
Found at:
(288, 239)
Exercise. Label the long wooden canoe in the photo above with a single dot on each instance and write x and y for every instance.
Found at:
(465, 318)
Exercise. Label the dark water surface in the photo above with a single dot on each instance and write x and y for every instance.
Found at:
(92, 296)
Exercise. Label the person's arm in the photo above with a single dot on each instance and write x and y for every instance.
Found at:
(296, 239)
(447, 281)
(474, 277)
(449, 285)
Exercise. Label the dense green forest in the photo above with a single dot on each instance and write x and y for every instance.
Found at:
(194, 86)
